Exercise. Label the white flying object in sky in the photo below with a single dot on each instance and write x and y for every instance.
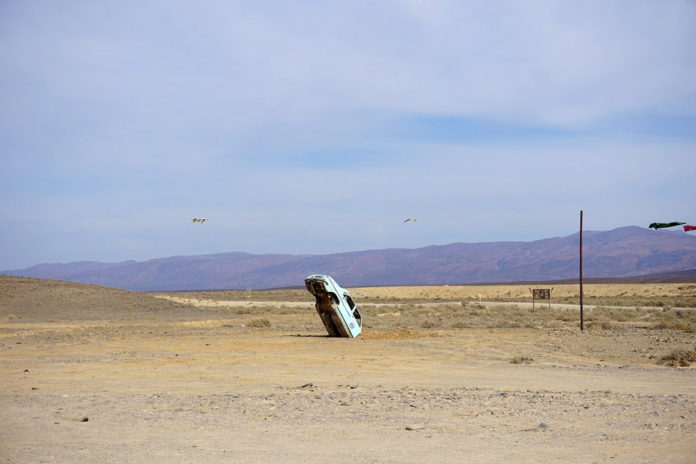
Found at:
(201, 220)
(410, 219)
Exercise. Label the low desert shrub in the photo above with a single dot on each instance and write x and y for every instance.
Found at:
(686, 303)
(241, 311)
(675, 319)
(521, 360)
(452, 309)
(675, 325)
(679, 358)
(603, 325)
(461, 325)
(507, 325)
(259, 323)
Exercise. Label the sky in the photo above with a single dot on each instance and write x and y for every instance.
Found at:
(314, 127)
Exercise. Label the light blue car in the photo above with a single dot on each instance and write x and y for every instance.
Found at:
(335, 306)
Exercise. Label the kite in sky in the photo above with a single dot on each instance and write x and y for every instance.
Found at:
(688, 228)
(201, 220)
(662, 225)
(410, 220)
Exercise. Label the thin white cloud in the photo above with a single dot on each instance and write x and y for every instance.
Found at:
(304, 111)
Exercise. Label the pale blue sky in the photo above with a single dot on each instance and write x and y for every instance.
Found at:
(317, 127)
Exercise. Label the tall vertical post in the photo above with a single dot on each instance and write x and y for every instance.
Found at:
(581, 315)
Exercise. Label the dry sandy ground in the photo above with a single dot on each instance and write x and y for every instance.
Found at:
(100, 375)
(522, 292)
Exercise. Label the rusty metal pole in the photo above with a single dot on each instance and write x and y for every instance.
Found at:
(581, 315)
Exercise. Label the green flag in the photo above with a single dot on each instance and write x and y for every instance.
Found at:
(662, 225)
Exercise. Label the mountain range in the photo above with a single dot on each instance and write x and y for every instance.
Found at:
(623, 252)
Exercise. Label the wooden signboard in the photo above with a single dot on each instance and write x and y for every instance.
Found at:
(541, 294)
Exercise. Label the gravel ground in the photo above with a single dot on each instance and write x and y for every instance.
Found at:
(97, 375)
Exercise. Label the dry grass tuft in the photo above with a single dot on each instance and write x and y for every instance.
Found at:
(258, 323)
(603, 325)
(521, 360)
(461, 325)
(679, 358)
(675, 319)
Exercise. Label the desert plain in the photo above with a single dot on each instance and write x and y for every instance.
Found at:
(439, 374)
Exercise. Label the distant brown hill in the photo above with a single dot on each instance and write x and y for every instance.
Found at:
(624, 252)
(42, 300)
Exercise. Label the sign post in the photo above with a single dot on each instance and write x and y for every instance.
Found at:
(581, 315)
